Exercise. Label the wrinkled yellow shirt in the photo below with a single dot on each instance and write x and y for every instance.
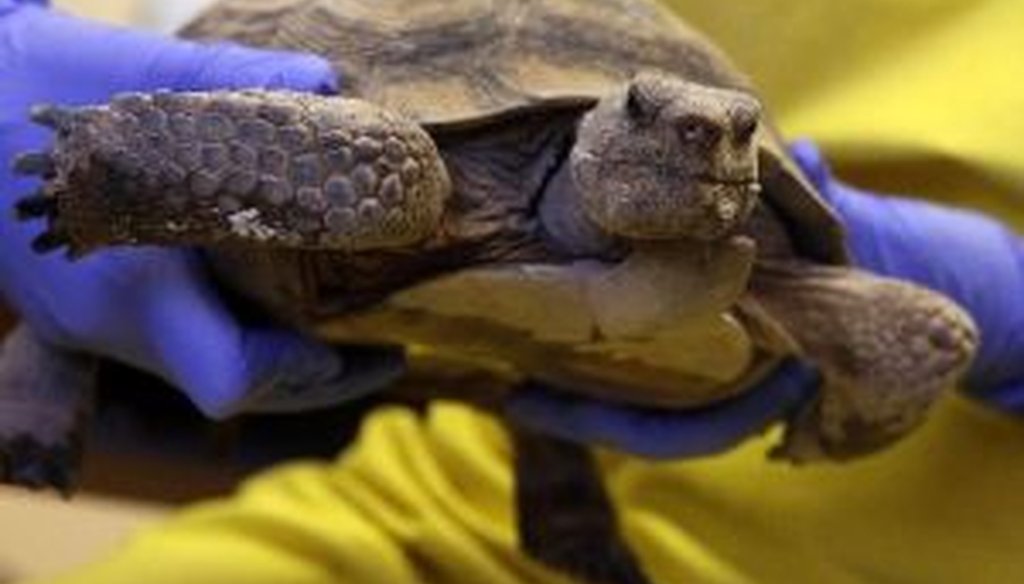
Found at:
(918, 96)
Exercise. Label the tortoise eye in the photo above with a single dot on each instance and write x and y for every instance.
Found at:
(698, 131)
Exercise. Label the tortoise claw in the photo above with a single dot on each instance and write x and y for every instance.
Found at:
(26, 468)
(26, 463)
(35, 206)
(51, 116)
(49, 241)
(36, 164)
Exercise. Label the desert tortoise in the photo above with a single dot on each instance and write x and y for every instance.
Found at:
(578, 193)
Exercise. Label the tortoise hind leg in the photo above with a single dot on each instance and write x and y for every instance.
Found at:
(886, 349)
(45, 394)
(565, 518)
(244, 168)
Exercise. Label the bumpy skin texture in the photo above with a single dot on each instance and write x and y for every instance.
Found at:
(275, 168)
(972, 257)
(886, 349)
(669, 160)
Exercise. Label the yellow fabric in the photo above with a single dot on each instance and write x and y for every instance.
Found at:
(923, 96)
(914, 96)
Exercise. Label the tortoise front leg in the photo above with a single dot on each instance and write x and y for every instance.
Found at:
(564, 516)
(886, 349)
(248, 168)
(45, 395)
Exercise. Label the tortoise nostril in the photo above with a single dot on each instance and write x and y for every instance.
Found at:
(745, 119)
(641, 105)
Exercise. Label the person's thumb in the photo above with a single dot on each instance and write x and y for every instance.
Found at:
(237, 370)
(93, 60)
(292, 373)
(191, 338)
(197, 67)
(810, 160)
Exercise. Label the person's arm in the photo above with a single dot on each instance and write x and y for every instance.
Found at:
(972, 258)
(151, 308)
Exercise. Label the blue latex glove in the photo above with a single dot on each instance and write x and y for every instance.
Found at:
(152, 308)
(658, 433)
(969, 257)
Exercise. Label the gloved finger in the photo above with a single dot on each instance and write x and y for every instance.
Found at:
(299, 374)
(133, 60)
(223, 366)
(855, 210)
(874, 229)
(658, 433)
(811, 161)
(192, 66)
(7, 6)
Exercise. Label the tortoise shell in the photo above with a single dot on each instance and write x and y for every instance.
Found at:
(468, 71)
(453, 64)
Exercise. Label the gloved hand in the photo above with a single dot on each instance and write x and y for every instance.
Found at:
(658, 433)
(970, 257)
(152, 308)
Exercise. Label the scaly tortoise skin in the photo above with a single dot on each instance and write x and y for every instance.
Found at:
(576, 193)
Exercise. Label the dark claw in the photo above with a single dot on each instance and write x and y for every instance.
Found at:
(49, 241)
(26, 463)
(38, 205)
(52, 116)
(36, 163)
(29, 473)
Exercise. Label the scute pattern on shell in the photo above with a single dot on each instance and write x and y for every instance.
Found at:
(467, 63)
(463, 61)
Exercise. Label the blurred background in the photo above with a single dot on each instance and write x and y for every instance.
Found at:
(153, 14)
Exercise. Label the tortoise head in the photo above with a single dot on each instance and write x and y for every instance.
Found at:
(666, 158)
